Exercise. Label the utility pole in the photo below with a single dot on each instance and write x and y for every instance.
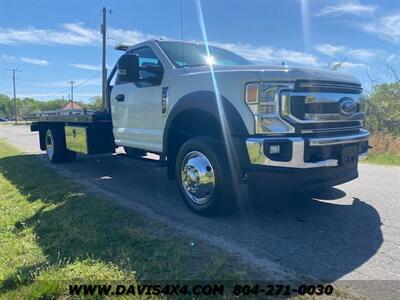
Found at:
(15, 93)
(72, 93)
(104, 67)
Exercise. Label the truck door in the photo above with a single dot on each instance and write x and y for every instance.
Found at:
(136, 107)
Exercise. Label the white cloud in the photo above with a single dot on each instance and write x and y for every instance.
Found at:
(9, 58)
(267, 54)
(118, 35)
(78, 35)
(362, 53)
(349, 65)
(25, 59)
(296, 57)
(87, 67)
(34, 61)
(352, 8)
(387, 28)
(335, 50)
(72, 34)
(330, 50)
(75, 34)
(393, 58)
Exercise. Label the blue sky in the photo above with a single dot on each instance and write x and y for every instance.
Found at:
(53, 42)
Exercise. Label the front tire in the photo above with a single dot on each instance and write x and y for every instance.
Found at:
(203, 176)
(57, 151)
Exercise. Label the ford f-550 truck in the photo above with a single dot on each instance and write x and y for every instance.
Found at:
(216, 120)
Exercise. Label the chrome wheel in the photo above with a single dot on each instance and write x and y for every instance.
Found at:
(198, 178)
(49, 145)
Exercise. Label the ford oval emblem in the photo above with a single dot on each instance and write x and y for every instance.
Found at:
(347, 107)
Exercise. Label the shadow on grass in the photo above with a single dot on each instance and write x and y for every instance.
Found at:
(323, 240)
(74, 226)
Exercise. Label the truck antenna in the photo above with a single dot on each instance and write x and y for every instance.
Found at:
(104, 66)
(182, 49)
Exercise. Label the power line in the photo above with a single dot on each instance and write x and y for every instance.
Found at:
(73, 85)
(69, 82)
(29, 80)
(87, 80)
(14, 90)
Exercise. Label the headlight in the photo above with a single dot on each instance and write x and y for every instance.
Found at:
(263, 100)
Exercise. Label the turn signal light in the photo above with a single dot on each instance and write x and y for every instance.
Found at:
(252, 93)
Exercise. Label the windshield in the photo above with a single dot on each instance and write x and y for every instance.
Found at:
(191, 55)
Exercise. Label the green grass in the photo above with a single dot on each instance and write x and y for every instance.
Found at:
(383, 159)
(52, 233)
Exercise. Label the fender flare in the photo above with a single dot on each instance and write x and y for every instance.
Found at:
(205, 101)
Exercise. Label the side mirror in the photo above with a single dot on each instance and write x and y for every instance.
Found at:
(128, 68)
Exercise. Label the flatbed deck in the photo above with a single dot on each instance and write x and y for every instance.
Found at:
(72, 116)
(85, 131)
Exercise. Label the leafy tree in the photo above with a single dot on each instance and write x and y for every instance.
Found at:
(6, 106)
(383, 108)
(27, 105)
(96, 102)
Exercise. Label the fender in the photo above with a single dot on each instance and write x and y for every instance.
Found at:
(206, 101)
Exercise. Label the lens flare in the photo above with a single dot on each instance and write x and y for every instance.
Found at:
(230, 150)
(210, 60)
(305, 20)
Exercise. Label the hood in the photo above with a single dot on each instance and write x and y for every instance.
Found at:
(279, 73)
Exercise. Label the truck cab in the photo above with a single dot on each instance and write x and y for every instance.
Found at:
(219, 121)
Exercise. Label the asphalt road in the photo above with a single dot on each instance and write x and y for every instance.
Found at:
(352, 232)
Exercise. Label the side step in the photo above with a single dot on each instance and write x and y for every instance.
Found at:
(150, 158)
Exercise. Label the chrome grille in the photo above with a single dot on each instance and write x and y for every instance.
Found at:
(321, 103)
(324, 86)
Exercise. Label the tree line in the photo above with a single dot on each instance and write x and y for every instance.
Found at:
(382, 107)
(27, 105)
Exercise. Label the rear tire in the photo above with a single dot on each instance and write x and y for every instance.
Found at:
(57, 151)
(203, 177)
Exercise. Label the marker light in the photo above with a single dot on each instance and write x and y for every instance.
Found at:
(252, 93)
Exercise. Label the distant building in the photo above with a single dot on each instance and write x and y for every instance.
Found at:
(69, 106)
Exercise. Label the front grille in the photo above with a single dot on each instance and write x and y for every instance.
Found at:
(327, 86)
(303, 110)
(316, 106)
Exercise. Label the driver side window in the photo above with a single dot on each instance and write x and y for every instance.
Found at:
(151, 70)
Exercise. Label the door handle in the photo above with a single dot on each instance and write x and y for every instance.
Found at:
(120, 97)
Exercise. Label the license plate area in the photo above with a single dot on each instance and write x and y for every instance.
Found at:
(349, 155)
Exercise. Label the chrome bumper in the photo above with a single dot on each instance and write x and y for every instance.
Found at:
(255, 150)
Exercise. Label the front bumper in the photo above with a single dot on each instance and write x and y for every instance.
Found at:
(298, 148)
